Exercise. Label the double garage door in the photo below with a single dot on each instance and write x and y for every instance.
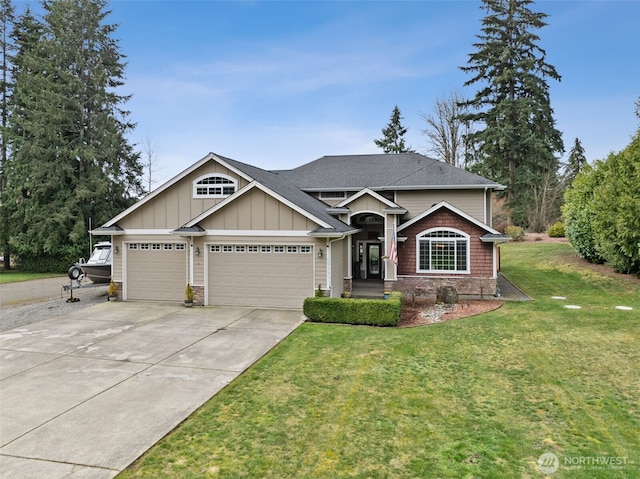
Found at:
(156, 271)
(270, 276)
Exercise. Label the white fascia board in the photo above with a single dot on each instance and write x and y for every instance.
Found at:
(367, 191)
(495, 186)
(444, 204)
(258, 233)
(173, 181)
(147, 232)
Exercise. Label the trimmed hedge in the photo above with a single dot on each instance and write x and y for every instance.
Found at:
(371, 312)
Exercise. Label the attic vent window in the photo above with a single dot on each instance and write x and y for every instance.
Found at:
(333, 195)
(214, 186)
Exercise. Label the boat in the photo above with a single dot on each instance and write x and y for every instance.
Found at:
(98, 268)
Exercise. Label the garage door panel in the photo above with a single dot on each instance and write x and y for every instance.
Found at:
(156, 275)
(263, 279)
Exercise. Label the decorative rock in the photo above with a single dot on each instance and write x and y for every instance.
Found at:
(624, 308)
(573, 306)
(447, 295)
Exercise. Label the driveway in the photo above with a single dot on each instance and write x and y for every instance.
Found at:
(84, 394)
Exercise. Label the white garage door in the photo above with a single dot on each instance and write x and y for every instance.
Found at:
(268, 276)
(156, 271)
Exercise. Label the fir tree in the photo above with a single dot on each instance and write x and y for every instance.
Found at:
(7, 20)
(519, 141)
(576, 162)
(71, 160)
(392, 140)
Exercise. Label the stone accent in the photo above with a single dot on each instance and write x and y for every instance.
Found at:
(484, 288)
(198, 294)
(347, 285)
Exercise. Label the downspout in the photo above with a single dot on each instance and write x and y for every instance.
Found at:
(484, 209)
(190, 260)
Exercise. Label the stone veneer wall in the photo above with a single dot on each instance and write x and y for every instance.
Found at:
(198, 295)
(423, 286)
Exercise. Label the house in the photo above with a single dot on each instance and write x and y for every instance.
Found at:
(241, 235)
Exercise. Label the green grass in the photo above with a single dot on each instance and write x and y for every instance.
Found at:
(13, 276)
(480, 397)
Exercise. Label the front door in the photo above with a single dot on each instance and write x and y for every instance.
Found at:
(373, 261)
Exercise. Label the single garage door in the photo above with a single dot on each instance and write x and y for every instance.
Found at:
(156, 271)
(267, 276)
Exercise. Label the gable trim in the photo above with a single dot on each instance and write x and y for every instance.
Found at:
(453, 209)
(367, 191)
(249, 187)
(173, 181)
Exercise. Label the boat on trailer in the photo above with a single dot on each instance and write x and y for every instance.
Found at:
(98, 268)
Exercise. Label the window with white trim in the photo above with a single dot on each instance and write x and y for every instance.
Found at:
(227, 248)
(214, 248)
(144, 246)
(252, 248)
(214, 186)
(305, 249)
(168, 246)
(156, 246)
(180, 247)
(265, 249)
(133, 245)
(240, 248)
(292, 249)
(278, 249)
(441, 250)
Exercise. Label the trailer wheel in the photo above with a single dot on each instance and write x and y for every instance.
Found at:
(74, 272)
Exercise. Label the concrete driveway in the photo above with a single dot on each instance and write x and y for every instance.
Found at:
(85, 394)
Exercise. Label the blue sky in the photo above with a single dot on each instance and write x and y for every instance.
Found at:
(278, 84)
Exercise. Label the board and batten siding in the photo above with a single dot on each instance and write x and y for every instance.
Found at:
(337, 267)
(471, 202)
(176, 205)
(256, 210)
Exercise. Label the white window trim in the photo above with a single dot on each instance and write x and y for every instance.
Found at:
(466, 237)
(210, 175)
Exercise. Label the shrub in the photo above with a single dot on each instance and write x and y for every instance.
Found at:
(371, 312)
(556, 230)
(516, 233)
(579, 213)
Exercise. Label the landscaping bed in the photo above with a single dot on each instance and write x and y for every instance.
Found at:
(423, 311)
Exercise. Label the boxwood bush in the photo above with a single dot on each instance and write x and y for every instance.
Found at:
(371, 312)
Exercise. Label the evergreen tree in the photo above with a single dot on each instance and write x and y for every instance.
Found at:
(519, 141)
(71, 161)
(7, 19)
(576, 162)
(392, 140)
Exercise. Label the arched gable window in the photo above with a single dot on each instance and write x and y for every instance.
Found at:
(442, 250)
(214, 186)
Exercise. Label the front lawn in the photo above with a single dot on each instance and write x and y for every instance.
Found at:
(14, 276)
(481, 397)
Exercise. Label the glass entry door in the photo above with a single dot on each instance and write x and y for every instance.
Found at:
(373, 260)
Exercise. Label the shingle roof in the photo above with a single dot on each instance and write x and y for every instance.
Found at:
(282, 186)
(380, 172)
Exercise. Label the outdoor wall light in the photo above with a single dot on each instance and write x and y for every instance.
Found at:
(116, 250)
(197, 251)
(319, 252)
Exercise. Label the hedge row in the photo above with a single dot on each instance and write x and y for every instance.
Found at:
(371, 312)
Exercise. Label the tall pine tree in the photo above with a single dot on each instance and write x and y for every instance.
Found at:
(7, 48)
(519, 141)
(71, 161)
(392, 140)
